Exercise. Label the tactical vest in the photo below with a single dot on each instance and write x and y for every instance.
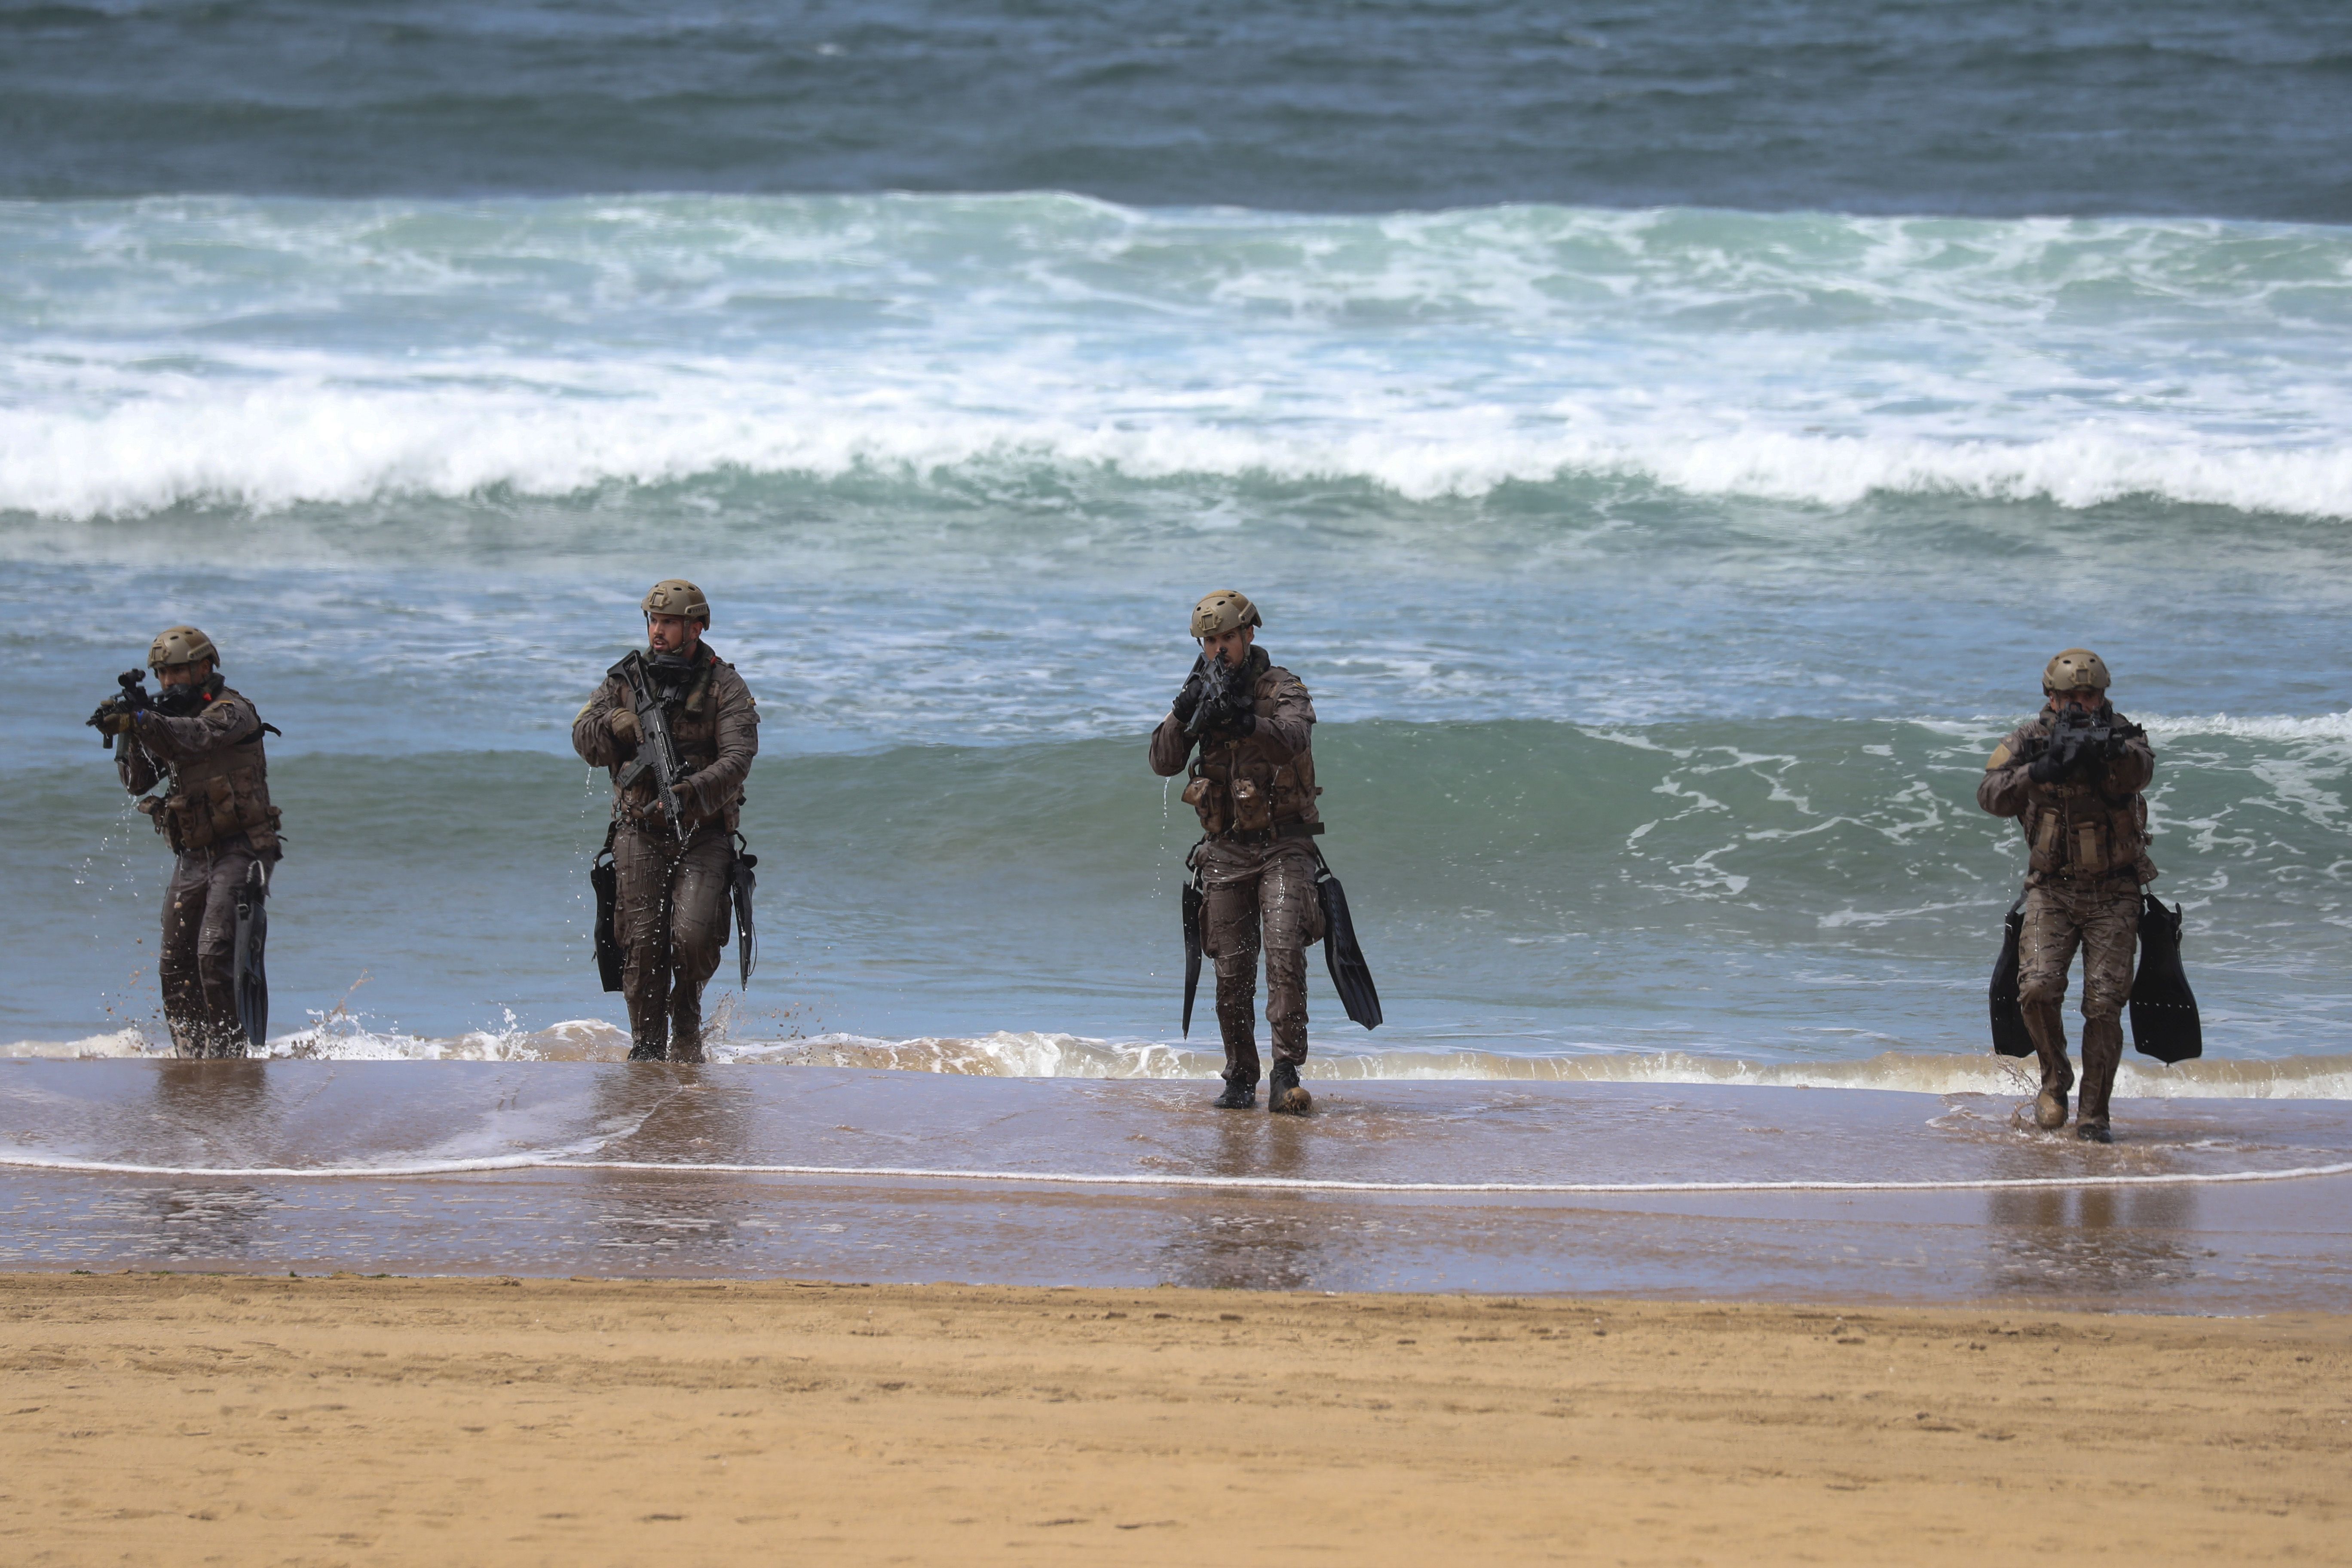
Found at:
(694, 731)
(2075, 829)
(219, 795)
(1237, 787)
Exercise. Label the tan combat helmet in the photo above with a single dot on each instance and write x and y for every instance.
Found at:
(677, 596)
(1225, 610)
(179, 645)
(2075, 666)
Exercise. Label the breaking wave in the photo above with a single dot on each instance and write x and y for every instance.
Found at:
(335, 353)
(315, 446)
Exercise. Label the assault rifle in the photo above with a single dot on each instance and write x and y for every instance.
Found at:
(1223, 694)
(132, 698)
(657, 751)
(2077, 738)
(2081, 734)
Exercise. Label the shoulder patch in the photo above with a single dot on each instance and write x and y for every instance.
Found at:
(2000, 758)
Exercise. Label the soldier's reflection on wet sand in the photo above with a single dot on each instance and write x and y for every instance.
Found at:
(216, 1102)
(2093, 1241)
(215, 1112)
(674, 1113)
(1253, 1241)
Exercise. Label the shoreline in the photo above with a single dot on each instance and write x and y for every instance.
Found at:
(1692, 1193)
(500, 1422)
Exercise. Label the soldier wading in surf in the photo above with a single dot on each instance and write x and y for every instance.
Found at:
(2073, 776)
(202, 741)
(1252, 783)
(675, 856)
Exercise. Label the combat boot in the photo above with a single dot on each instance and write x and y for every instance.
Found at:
(1241, 1094)
(647, 1050)
(1284, 1094)
(685, 1024)
(2103, 1053)
(2049, 1032)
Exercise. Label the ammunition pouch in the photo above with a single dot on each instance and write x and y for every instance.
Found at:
(1235, 797)
(1253, 806)
(199, 813)
(1210, 800)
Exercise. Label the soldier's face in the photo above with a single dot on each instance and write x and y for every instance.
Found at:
(2087, 698)
(194, 674)
(672, 634)
(1229, 648)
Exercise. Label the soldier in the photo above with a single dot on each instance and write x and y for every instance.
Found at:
(1253, 784)
(674, 878)
(204, 742)
(2073, 777)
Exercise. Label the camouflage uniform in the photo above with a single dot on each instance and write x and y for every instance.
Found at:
(1256, 797)
(715, 725)
(216, 816)
(2088, 840)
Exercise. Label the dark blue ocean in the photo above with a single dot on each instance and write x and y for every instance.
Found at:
(1999, 109)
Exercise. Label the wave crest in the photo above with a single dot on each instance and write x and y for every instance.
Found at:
(553, 348)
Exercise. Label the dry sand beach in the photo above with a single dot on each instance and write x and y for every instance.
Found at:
(175, 1418)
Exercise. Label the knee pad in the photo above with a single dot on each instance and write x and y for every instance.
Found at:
(2034, 992)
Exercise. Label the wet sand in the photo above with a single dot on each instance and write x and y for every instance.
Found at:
(162, 1418)
(1688, 1191)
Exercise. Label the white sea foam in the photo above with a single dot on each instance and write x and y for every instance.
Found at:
(1255, 1183)
(2329, 728)
(349, 1040)
(129, 1042)
(319, 444)
(1038, 1054)
(1028, 1055)
(555, 347)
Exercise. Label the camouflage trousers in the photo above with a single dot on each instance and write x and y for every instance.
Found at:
(1260, 898)
(664, 971)
(198, 962)
(2101, 918)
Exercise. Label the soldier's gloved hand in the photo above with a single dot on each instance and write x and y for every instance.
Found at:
(622, 724)
(112, 721)
(2061, 760)
(1233, 714)
(1188, 700)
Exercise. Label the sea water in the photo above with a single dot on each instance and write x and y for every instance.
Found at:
(1668, 454)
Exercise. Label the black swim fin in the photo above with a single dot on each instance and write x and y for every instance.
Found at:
(606, 880)
(252, 938)
(2009, 1036)
(743, 881)
(1349, 973)
(1194, 898)
(2163, 1008)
